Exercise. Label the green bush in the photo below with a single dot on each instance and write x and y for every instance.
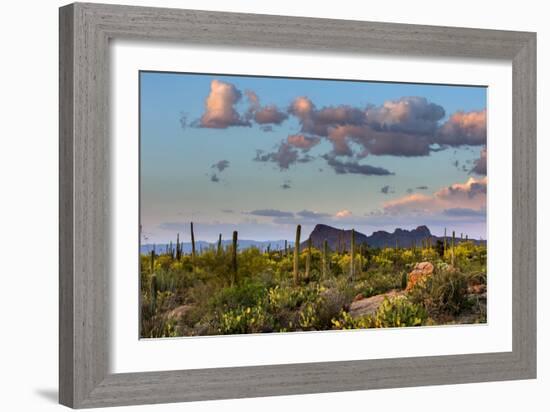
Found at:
(444, 293)
(244, 294)
(399, 311)
(246, 320)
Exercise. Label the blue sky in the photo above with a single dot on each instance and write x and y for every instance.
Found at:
(260, 155)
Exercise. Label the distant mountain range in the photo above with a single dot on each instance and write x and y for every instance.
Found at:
(202, 245)
(339, 238)
(336, 239)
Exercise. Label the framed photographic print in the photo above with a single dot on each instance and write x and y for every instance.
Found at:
(257, 205)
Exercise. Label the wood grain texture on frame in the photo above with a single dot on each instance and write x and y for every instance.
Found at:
(85, 31)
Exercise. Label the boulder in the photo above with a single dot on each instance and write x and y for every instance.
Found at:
(359, 296)
(178, 312)
(368, 306)
(420, 273)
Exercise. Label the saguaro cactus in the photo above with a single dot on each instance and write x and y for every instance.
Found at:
(325, 258)
(154, 289)
(308, 257)
(234, 257)
(453, 250)
(178, 247)
(352, 253)
(404, 280)
(153, 260)
(219, 250)
(297, 255)
(193, 251)
(361, 258)
(444, 241)
(343, 238)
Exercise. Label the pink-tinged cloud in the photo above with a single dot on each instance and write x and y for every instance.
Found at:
(319, 122)
(464, 128)
(343, 213)
(480, 166)
(339, 137)
(263, 115)
(219, 111)
(301, 107)
(269, 115)
(303, 142)
(403, 127)
(469, 195)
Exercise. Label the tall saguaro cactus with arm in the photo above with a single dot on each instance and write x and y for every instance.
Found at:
(297, 255)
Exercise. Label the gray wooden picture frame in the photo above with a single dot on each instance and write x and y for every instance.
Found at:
(85, 32)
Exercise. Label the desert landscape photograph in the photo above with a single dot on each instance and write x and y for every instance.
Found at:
(278, 205)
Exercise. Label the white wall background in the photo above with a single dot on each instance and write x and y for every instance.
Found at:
(28, 206)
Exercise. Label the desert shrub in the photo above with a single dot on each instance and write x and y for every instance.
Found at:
(244, 294)
(477, 278)
(344, 263)
(383, 261)
(169, 280)
(408, 256)
(345, 321)
(153, 323)
(393, 312)
(252, 262)
(253, 319)
(329, 304)
(378, 282)
(163, 262)
(158, 327)
(288, 297)
(283, 268)
(442, 293)
(429, 255)
(397, 312)
(308, 316)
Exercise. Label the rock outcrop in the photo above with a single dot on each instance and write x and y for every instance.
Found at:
(420, 273)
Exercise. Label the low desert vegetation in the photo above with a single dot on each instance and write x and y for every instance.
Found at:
(225, 290)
